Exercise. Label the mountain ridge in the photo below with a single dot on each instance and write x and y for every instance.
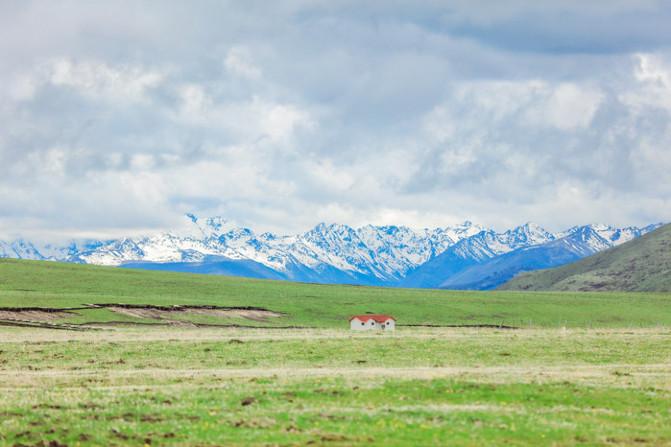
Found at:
(386, 255)
(641, 264)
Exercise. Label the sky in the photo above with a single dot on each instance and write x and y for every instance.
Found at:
(117, 118)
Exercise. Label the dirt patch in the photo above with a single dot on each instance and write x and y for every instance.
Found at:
(44, 325)
(168, 312)
(168, 315)
(249, 314)
(33, 314)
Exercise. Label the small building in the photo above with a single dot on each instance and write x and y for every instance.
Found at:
(372, 321)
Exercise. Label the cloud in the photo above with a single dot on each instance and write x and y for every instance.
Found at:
(571, 26)
(239, 62)
(567, 107)
(249, 120)
(653, 89)
(99, 80)
(280, 115)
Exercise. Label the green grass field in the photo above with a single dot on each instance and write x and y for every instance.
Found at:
(582, 369)
(56, 285)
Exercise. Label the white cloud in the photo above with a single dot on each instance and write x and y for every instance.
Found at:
(142, 162)
(330, 176)
(250, 120)
(239, 62)
(653, 88)
(652, 69)
(279, 121)
(568, 106)
(537, 103)
(100, 80)
(22, 88)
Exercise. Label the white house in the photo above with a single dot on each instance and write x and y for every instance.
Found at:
(369, 322)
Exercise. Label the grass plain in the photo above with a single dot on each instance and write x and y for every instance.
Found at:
(56, 285)
(582, 369)
(169, 386)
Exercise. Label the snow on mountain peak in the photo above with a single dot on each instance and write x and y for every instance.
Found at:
(387, 252)
(531, 234)
(599, 227)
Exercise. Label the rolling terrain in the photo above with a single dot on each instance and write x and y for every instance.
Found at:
(643, 264)
(84, 288)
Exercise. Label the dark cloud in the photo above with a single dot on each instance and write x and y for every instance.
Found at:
(572, 27)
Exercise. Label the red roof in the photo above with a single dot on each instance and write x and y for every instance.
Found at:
(379, 318)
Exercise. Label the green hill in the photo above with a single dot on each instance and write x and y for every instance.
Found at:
(643, 264)
(55, 285)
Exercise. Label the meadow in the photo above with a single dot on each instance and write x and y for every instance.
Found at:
(577, 369)
(57, 285)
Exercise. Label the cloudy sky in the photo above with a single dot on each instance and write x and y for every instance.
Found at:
(118, 117)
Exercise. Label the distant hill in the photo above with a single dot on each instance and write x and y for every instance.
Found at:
(488, 259)
(496, 271)
(642, 264)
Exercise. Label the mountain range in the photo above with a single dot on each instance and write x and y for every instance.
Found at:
(465, 256)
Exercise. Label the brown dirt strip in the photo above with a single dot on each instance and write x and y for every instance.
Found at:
(179, 324)
(33, 314)
(43, 325)
(24, 315)
(158, 313)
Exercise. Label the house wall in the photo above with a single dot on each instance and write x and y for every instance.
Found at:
(356, 325)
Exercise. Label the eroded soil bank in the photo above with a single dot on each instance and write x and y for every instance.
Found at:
(34, 314)
(168, 314)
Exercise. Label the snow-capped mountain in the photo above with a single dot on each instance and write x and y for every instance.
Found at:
(589, 239)
(329, 253)
(383, 253)
(473, 250)
(469, 266)
(487, 244)
(19, 249)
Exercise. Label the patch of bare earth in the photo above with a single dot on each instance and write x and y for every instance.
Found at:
(249, 314)
(168, 312)
(36, 315)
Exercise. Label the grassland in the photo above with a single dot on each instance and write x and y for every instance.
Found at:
(582, 369)
(55, 285)
(329, 387)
